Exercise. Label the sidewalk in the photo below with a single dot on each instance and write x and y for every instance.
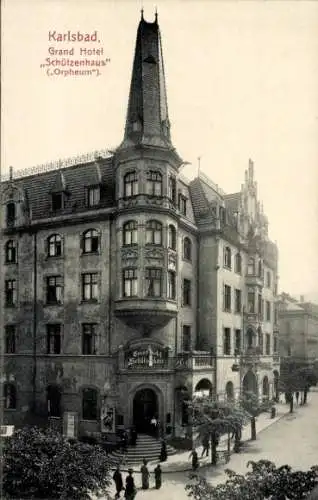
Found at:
(180, 462)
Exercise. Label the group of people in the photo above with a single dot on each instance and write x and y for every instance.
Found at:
(125, 439)
(155, 426)
(130, 488)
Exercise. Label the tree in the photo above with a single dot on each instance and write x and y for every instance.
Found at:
(214, 418)
(251, 404)
(264, 481)
(296, 376)
(43, 464)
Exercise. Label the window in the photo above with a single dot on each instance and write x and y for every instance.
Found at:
(186, 292)
(186, 338)
(268, 279)
(251, 302)
(268, 310)
(182, 204)
(89, 404)
(130, 233)
(238, 301)
(11, 252)
(10, 339)
(172, 189)
(54, 290)
(171, 285)
(154, 183)
(251, 266)
(172, 239)
(275, 344)
(54, 245)
(10, 396)
(227, 258)
(90, 286)
(238, 263)
(130, 184)
(92, 196)
(268, 344)
(153, 282)
(130, 282)
(89, 338)
(53, 339)
(249, 338)
(90, 241)
(260, 340)
(227, 298)
(10, 293)
(260, 305)
(57, 201)
(54, 400)
(238, 341)
(227, 341)
(10, 214)
(263, 309)
(260, 269)
(187, 249)
(153, 233)
(275, 315)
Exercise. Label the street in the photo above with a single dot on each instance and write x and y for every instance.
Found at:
(292, 440)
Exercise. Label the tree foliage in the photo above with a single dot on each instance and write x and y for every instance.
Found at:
(43, 464)
(264, 481)
(295, 376)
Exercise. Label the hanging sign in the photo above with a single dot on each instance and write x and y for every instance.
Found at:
(145, 357)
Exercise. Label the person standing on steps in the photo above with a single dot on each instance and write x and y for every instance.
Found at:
(118, 479)
(144, 475)
(158, 473)
(163, 452)
(130, 491)
(195, 461)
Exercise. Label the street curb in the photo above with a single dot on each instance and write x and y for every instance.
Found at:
(188, 466)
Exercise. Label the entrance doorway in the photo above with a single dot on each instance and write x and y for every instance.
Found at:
(250, 384)
(145, 407)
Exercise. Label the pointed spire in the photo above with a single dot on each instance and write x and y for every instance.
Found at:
(11, 173)
(147, 121)
(142, 13)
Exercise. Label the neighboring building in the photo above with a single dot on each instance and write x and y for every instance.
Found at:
(298, 328)
(127, 288)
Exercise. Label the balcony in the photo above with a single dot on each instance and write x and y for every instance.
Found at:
(254, 280)
(253, 318)
(146, 200)
(251, 356)
(149, 312)
(196, 360)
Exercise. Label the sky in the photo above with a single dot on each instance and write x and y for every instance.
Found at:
(242, 82)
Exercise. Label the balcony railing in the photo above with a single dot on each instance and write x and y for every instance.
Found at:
(194, 360)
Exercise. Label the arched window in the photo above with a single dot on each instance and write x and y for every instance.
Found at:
(187, 248)
(11, 252)
(130, 184)
(10, 213)
(54, 245)
(171, 285)
(238, 263)
(227, 258)
(10, 396)
(229, 389)
(130, 233)
(172, 238)
(249, 337)
(90, 241)
(89, 404)
(154, 183)
(251, 266)
(154, 232)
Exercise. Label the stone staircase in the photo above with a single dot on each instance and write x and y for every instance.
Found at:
(146, 447)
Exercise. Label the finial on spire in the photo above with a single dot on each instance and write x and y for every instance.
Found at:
(156, 15)
(199, 165)
(142, 12)
(11, 173)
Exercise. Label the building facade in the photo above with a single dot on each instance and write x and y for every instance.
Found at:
(127, 288)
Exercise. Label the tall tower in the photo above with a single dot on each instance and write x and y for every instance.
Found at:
(146, 166)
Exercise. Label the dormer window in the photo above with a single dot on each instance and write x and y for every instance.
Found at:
(172, 189)
(182, 202)
(154, 183)
(131, 184)
(10, 214)
(57, 202)
(92, 196)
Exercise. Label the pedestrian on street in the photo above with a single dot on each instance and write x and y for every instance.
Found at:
(130, 491)
(118, 479)
(153, 423)
(195, 461)
(297, 396)
(158, 472)
(144, 475)
(163, 452)
(206, 446)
